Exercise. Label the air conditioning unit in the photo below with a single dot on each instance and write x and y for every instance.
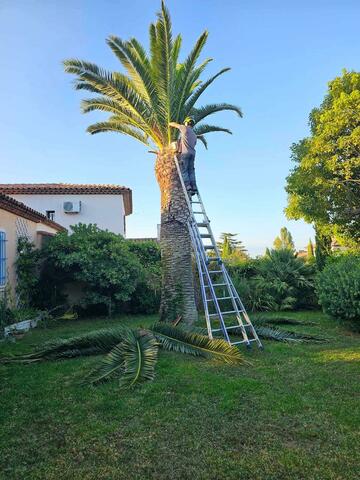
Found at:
(72, 207)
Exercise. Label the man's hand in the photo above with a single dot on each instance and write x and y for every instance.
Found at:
(174, 124)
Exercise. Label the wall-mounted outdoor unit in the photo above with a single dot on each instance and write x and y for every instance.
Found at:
(72, 207)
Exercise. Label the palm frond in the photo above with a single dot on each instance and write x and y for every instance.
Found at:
(279, 320)
(199, 91)
(279, 335)
(120, 127)
(133, 360)
(92, 343)
(203, 140)
(204, 128)
(184, 78)
(200, 113)
(115, 85)
(178, 340)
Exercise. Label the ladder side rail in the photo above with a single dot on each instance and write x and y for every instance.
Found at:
(202, 284)
(209, 229)
(232, 290)
(253, 331)
(198, 245)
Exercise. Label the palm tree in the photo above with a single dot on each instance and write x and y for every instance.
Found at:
(156, 90)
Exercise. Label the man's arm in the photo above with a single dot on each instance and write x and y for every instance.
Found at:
(175, 125)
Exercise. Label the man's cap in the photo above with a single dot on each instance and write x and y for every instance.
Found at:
(189, 121)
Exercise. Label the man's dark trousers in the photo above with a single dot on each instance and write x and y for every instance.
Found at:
(187, 161)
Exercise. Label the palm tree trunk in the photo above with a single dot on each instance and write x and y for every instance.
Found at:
(177, 293)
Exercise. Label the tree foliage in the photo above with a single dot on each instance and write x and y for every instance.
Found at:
(324, 186)
(338, 287)
(155, 89)
(284, 241)
(100, 260)
(231, 249)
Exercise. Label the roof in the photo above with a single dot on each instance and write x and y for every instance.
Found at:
(13, 206)
(69, 189)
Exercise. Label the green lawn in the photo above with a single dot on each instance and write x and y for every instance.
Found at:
(293, 414)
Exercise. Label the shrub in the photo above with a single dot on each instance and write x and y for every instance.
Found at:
(98, 260)
(338, 287)
(146, 297)
(277, 281)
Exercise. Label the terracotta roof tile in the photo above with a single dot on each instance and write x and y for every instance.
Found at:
(69, 189)
(11, 205)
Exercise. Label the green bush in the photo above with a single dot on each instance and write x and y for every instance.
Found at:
(100, 261)
(146, 297)
(338, 287)
(277, 281)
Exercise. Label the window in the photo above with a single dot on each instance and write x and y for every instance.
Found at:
(2, 258)
(50, 214)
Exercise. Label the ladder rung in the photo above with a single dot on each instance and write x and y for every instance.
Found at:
(209, 247)
(216, 285)
(222, 313)
(227, 328)
(220, 298)
(244, 341)
(205, 235)
(203, 224)
(200, 212)
(213, 271)
(195, 202)
(214, 259)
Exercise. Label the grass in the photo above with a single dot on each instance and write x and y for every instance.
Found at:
(292, 415)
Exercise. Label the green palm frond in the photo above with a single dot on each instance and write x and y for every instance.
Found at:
(204, 128)
(178, 340)
(118, 126)
(279, 335)
(92, 343)
(279, 320)
(184, 79)
(133, 360)
(203, 140)
(199, 91)
(200, 113)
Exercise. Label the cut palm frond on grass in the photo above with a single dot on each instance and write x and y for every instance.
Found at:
(92, 343)
(280, 320)
(133, 360)
(266, 333)
(279, 335)
(179, 340)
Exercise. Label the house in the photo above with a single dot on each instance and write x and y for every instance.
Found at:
(18, 220)
(68, 204)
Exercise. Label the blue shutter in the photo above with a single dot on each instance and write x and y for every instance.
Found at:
(2, 259)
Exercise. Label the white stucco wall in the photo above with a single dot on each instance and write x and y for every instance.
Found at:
(107, 211)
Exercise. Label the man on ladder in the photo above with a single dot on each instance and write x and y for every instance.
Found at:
(186, 150)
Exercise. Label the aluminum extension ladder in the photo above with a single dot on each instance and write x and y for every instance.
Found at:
(220, 298)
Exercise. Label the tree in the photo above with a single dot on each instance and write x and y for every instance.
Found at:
(310, 251)
(284, 241)
(100, 260)
(155, 90)
(324, 186)
(231, 249)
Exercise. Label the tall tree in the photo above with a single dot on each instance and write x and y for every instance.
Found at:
(324, 186)
(231, 249)
(310, 251)
(157, 89)
(284, 241)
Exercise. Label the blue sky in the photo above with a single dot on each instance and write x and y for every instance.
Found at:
(282, 55)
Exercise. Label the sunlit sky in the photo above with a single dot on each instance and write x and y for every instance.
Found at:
(282, 55)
